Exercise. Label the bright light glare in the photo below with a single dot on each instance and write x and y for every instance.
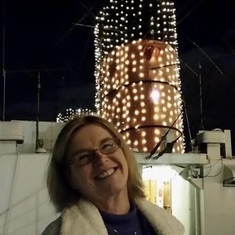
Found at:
(164, 173)
(155, 95)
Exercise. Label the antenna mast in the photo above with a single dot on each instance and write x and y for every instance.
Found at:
(3, 63)
(38, 109)
(200, 95)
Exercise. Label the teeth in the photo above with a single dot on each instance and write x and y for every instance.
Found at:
(106, 174)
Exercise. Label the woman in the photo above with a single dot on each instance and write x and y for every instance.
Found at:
(93, 180)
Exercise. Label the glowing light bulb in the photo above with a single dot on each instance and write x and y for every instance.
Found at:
(155, 95)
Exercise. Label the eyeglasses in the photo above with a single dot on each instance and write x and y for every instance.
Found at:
(83, 158)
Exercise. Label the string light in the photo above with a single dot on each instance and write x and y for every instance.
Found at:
(70, 113)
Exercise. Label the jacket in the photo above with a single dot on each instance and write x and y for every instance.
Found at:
(85, 219)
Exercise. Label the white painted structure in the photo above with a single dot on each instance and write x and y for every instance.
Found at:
(200, 200)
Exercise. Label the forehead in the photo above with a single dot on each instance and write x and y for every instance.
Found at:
(90, 134)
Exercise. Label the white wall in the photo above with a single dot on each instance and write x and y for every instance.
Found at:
(48, 131)
(24, 201)
(182, 203)
(24, 206)
(219, 204)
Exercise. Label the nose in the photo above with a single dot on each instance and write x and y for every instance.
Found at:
(98, 157)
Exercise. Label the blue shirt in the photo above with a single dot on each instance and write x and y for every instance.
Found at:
(133, 223)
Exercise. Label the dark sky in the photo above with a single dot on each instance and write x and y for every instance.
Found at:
(42, 38)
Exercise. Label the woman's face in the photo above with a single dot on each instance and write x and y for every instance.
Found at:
(105, 174)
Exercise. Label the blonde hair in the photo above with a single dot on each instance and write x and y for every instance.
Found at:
(60, 191)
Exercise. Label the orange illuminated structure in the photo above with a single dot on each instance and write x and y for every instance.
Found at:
(138, 84)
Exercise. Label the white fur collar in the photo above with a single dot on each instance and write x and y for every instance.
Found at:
(85, 219)
(82, 219)
(161, 220)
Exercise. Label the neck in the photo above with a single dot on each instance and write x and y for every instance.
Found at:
(114, 205)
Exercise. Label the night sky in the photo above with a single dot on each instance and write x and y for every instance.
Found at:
(54, 40)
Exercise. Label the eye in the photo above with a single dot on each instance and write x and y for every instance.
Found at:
(108, 145)
(81, 157)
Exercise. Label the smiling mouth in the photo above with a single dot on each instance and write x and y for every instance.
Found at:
(106, 174)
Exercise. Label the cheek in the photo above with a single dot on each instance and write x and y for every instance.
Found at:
(79, 177)
(124, 166)
(123, 160)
